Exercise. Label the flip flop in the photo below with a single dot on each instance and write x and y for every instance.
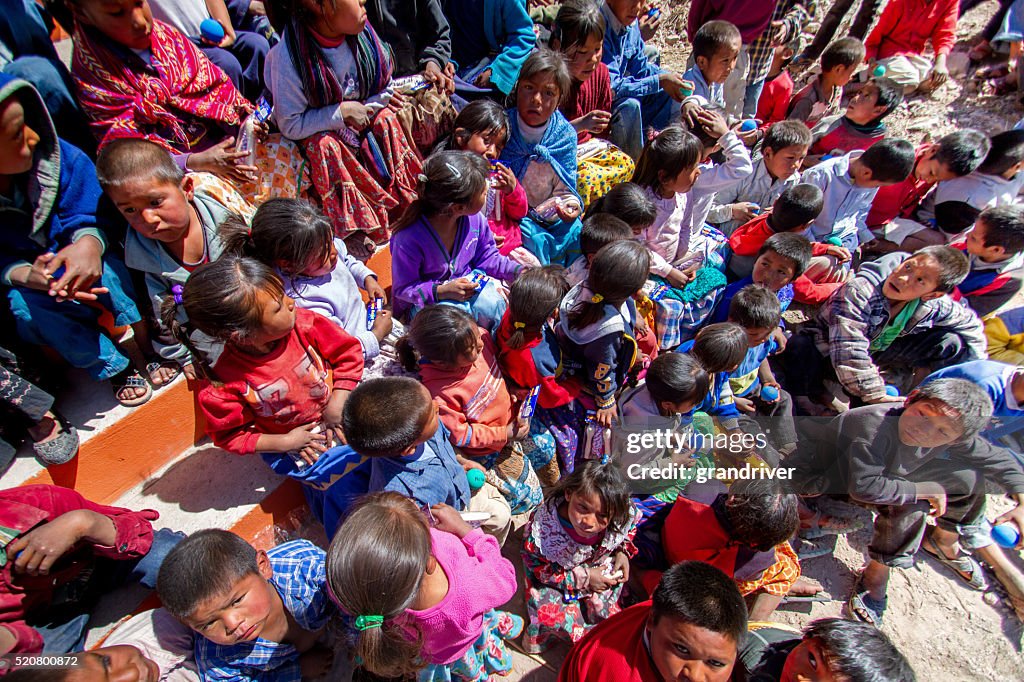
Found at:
(962, 565)
(858, 608)
(162, 364)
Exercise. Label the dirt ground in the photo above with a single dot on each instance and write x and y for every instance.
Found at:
(947, 631)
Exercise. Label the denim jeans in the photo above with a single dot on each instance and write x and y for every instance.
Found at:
(65, 634)
(72, 329)
(632, 117)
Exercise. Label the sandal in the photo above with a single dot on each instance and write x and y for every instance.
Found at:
(819, 594)
(865, 609)
(831, 525)
(156, 365)
(964, 566)
(61, 448)
(130, 378)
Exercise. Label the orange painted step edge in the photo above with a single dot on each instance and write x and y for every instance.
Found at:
(133, 448)
(275, 509)
(380, 263)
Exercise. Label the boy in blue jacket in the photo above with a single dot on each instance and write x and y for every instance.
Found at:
(52, 246)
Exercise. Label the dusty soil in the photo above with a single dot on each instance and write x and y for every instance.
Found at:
(948, 631)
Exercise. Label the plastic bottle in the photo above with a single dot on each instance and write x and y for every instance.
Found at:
(476, 479)
(769, 394)
(1006, 534)
(211, 30)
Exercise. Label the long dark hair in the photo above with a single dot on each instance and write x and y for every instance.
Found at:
(618, 271)
(448, 178)
(439, 334)
(533, 298)
(375, 565)
(604, 480)
(221, 299)
(287, 234)
(666, 156)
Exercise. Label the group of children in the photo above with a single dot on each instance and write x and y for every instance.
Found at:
(613, 251)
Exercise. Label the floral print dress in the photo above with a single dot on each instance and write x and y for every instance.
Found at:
(558, 601)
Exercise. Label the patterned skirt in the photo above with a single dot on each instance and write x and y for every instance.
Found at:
(554, 616)
(600, 172)
(353, 198)
(487, 656)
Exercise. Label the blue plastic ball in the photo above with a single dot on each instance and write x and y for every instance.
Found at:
(769, 393)
(476, 479)
(1005, 535)
(892, 390)
(211, 30)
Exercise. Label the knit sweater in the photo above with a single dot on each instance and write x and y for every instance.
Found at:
(479, 579)
(593, 94)
(286, 388)
(336, 296)
(473, 402)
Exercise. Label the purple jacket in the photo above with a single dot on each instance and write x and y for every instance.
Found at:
(420, 262)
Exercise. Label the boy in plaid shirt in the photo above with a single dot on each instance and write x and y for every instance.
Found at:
(259, 615)
(893, 313)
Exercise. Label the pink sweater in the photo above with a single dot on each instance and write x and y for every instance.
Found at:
(479, 579)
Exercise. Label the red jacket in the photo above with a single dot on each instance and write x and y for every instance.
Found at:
(286, 388)
(899, 200)
(474, 403)
(24, 508)
(907, 25)
(537, 363)
(748, 239)
(774, 100)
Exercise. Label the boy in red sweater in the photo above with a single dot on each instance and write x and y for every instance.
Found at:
(861, 126)
(953, 156)
(898, 41)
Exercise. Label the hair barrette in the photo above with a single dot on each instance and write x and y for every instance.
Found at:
(596, 298)
(369, 622)
(176, 291)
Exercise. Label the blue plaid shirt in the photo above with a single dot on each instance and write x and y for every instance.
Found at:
(301, 580)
